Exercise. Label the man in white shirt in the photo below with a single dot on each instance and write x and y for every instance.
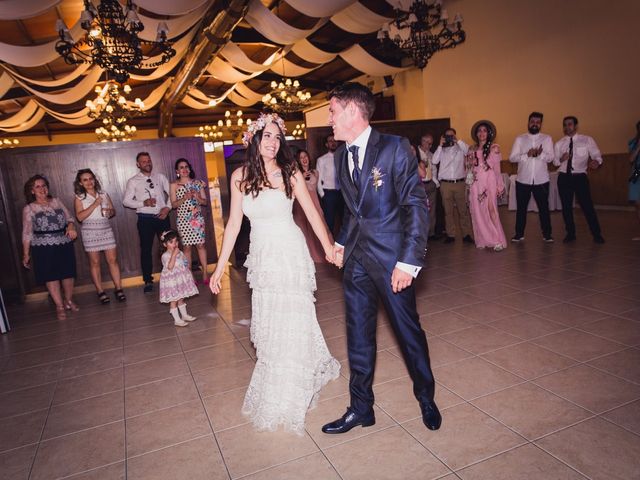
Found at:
(328, 185)
(574, 154)
(428, 175)
(532, 152)
(449, 156)
(148, 194)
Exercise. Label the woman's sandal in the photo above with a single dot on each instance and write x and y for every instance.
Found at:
(69, 305)
(60, 313)
(104, 299)
(120, 295)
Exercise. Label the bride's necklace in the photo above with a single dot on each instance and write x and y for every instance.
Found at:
(277, 173)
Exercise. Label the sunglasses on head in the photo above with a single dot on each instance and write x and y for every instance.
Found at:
(150, 183)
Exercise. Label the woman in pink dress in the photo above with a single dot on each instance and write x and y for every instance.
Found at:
(484, 161)
(311, 180)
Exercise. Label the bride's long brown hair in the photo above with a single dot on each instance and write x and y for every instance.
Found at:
(254, 174)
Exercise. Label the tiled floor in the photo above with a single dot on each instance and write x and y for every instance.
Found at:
(536, 351)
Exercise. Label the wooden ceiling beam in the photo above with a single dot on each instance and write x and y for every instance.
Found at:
(218, 23)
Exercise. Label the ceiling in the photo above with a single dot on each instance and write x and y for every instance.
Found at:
(190, 77)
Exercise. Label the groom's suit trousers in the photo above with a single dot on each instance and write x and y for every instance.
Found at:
(365, 281)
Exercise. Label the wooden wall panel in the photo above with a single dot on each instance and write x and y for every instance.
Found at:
(113, 164)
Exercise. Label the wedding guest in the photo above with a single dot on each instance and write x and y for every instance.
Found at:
(48, 232)
(634, 179)
(484, 158)
(311, 179)
(428, 174)
(449, 156)
(188, 195)
(532, 152)
(575, 154)
(147, 193)
(328, 186)
(93, 209)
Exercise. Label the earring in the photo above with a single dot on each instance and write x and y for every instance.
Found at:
(178, 176)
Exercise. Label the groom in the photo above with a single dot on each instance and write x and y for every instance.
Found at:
(383, 243)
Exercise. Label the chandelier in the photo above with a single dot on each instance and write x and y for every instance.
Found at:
(286, 97)
(9, 142)
(231, 127)
(299, 131)
(420, 29)
(112, 133)
(112, 107)
(112, 41)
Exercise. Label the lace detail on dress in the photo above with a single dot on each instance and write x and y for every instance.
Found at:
(46, 225)
(294, 362)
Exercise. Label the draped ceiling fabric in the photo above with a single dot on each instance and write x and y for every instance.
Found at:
(232, 66)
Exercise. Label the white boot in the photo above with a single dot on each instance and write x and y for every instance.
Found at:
(177, 321)
(184, 314)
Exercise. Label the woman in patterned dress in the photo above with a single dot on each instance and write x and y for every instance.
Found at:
(94, 209)
(48, 232)
(188, 196)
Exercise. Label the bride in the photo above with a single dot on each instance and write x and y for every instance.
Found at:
(293, 361)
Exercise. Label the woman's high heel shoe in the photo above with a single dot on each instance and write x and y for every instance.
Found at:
(69, 305)
(60, 313)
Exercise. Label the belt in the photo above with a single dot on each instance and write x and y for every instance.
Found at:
(45, 232)
(452, 181)
(147, 215)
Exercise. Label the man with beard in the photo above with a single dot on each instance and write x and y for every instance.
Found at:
(574, 154)
(148, 192)
(532, 152)
(328, 186)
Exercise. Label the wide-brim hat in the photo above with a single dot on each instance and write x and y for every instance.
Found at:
(492, 127)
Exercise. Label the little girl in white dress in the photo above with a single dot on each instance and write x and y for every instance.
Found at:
(176, 280)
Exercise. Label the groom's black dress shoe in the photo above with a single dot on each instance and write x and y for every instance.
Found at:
(431, 415)
(348, 421)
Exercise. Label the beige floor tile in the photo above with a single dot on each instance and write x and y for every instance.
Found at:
(25, 345)
(578, 345)
(79, 452)
(627, 416)
(607, 303)
(208, 357)
(338, 347)
(486, 312)
(16, 464)
(590, 388)
(562, 291)
(87, 386)
(450, 300)
(525, 301)
(337, 387)
(404, 457)
(197, 459)
(33, 358)
(385, 337)
(616, 329)
(82, 414)
(29, 377)
(388, 367)
(206, 338)
(148, 334)
(596, 448)
(26, 400)
(523, 463)
(625, 364)
(528, 360)
(92, 363)
(569, 314)
(444, 322)
(160, 394)
(480, 339)
(267, 449)
(333, 328)
(330, 310)
(527, 326)
(440, 352)
(95, 331)
(314, 466)
(21, 430)
(95, 345)
(397, 400)
(157, 369)
(225, 409)
(490, 291)
(483, 436)
(162, 428)
(333, 409)
(150, 350)
(530, 410)
(224, 377)
(473, 377)
(115, 471)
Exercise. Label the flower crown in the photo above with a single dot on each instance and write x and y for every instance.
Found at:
(262, 121)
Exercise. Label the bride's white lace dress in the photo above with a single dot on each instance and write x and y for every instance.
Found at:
(294, 362)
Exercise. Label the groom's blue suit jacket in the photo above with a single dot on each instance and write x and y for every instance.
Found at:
(389, 222)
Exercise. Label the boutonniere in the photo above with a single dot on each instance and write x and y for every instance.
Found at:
(377, 177)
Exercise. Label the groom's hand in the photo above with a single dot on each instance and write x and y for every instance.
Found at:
(400, 280)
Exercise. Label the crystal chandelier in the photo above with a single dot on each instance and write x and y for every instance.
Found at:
(112, 107)
(231, 127)
(9, 142)
(112, 133)
(299, 131)
(112, 41)
(419, 30)
(286, 97)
